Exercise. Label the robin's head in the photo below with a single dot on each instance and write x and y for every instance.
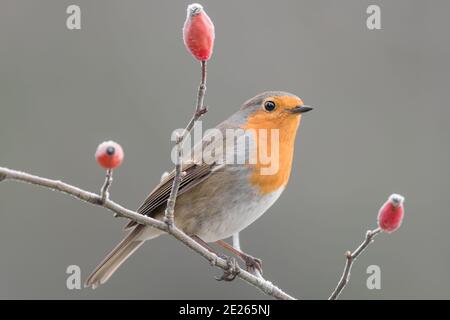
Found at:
(273, 109)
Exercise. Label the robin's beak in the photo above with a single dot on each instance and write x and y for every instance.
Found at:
(300, 109)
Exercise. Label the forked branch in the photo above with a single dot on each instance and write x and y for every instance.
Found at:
(96, 199)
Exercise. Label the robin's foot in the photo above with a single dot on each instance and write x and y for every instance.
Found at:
(233, 268)
(252, 263)
(231, 272)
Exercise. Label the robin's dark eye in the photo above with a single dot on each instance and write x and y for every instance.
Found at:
(269, 106)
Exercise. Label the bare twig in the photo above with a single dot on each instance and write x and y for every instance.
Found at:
(199, 111)
(104, 191)
(351, 257)
(96, 199)
(170, 208)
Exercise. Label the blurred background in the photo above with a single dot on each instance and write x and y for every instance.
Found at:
(380, 125)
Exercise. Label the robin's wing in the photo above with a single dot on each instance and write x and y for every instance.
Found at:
(195, 173)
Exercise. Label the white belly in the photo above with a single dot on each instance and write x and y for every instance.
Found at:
(221, 206)
(237, 217)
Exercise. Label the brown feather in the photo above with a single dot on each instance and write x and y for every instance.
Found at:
(115, 258)
(195, 173)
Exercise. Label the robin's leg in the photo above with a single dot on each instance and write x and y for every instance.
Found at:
(250, 262)
(207, 247)
(228, 275)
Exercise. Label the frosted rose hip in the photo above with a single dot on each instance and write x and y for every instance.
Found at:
(391, 214)
(198, 32)
(109, 155)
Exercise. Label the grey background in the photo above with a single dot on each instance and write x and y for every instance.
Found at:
(380, 126)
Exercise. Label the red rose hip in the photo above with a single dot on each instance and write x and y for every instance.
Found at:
(198, 32)
(390, 216)
(109, 155)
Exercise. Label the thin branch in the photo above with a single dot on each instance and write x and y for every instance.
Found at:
(264, 285)
(200, 110)
(351, 257)
(170, 208)
(104, 191)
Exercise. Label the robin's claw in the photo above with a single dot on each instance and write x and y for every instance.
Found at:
(252, 263)
(231, 272)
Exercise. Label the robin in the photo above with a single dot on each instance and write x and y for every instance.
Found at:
(218, 199)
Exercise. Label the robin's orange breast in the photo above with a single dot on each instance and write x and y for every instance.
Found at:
(287, 129)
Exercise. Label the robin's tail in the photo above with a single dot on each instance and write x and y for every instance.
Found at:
(117, 256)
